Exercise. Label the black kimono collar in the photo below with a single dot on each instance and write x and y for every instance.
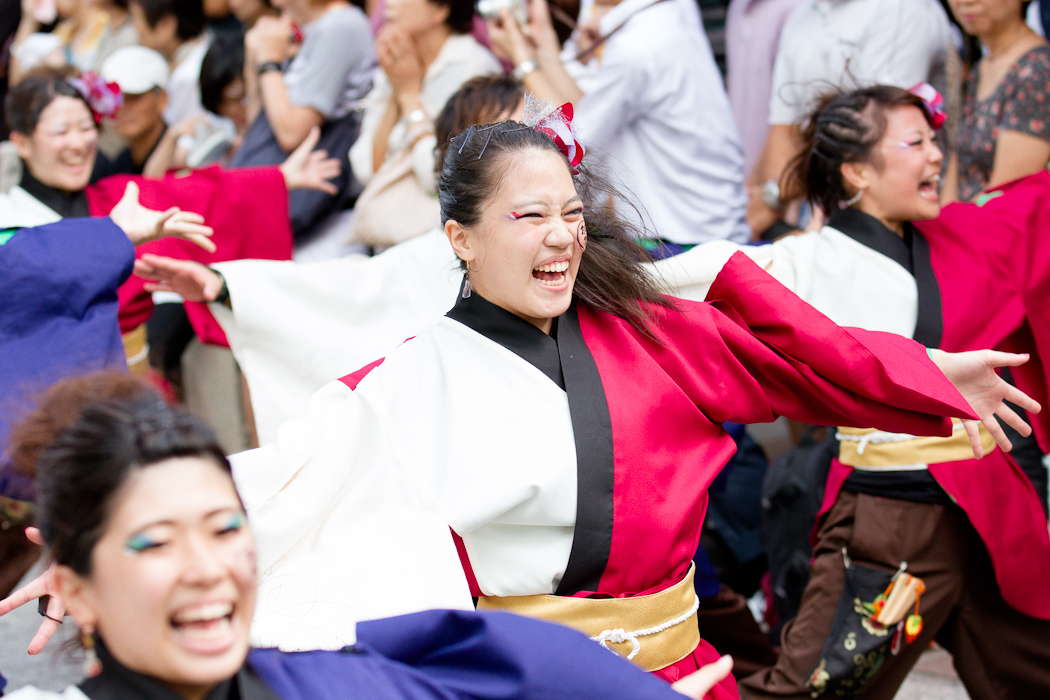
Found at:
(912, 252)
(117, 682)
(65, 204)
(512, 332)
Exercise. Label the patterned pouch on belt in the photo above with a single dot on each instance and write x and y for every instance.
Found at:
(857, 646)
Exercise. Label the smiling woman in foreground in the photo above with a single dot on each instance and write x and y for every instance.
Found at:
(157, 568)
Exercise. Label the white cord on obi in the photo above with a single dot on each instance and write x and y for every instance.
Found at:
(878, 437)
(618, 636)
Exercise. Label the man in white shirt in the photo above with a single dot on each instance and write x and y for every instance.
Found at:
(175, 30)
(650, 102)
(829, 44)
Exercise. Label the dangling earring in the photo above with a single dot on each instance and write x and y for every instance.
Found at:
(852, 200)
(92, 666)
(466, 281)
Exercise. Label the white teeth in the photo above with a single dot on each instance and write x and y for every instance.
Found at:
(211, 611)
(216, 630)
(554, 267)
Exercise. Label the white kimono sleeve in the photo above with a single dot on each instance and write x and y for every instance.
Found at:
(343, 533)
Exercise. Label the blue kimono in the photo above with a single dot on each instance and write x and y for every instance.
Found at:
(433, 655)
(58, 316)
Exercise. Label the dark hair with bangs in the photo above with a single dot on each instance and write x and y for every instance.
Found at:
(86, 437)
(844, 128)
(28, 99)
(611, 277)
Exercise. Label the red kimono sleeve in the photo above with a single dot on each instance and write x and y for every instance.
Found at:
(247, 207)
(755, 350)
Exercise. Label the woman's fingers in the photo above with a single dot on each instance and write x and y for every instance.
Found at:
(56, 609)
(996, 430)
(1019, 398)
(1013, 420)
(34, 536)
(31, 591)
(698, 685)
(157, 287)
(974, 433)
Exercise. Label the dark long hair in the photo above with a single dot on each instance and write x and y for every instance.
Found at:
(844, 128)
(86, 437)
(611, 277)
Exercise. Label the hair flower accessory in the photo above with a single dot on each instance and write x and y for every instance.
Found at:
(933, 101)
(105, 99)
(556, 123)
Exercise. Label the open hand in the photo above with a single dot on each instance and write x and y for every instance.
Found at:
(307, 169)
(973, 375)
(190, 280)
(44, 584)
(697, 685)
(142, 225)
(269, 39)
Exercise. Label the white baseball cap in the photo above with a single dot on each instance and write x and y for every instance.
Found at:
(135, 69)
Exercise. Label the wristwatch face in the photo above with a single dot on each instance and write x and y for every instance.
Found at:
(771, 194)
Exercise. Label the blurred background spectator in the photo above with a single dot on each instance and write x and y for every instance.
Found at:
(175, 30)
(827, 44)
(141, 75)
(293, 87)
(86, 34)
(426, 53)
(1004, 132)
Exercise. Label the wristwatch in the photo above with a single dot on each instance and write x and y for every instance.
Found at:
(771, 194)
(524, 68)
(268, 67)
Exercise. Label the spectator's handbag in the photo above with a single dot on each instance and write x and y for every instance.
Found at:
(871, 623)
(394, 207)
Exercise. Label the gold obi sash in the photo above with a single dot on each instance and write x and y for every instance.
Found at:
(654, 631)
(136, 349)
(874, 450)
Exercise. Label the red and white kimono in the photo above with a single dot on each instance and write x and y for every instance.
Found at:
(575, 464)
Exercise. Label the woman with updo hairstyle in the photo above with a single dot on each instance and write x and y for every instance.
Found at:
(155, 564)
(970, 529)
(563, 419)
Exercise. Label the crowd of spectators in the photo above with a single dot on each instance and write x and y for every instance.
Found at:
(705, 128)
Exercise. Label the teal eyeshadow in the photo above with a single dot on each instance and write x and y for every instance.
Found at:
(139, 543)
(236, 521)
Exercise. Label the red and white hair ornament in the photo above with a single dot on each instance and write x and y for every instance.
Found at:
(105, 99)
(933, 101)
(555, 122)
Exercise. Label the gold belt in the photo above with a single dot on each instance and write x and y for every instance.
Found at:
(654, 631)
(874, 450)
(136, 349)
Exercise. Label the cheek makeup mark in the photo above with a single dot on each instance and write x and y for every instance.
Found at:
(581, 236)
(138, 543)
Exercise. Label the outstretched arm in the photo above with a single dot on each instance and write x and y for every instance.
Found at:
(190, 280)
(142, 225)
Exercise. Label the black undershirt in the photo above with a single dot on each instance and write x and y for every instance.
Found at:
(117, 682)
(563, 356)
(66, 204)
(911, 252)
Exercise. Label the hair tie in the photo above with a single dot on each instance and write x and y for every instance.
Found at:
(556, 123)
(104, 99)
(932, 101)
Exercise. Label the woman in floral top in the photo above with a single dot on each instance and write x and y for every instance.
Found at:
(1005, 129)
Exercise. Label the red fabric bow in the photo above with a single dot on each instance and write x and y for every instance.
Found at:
(558, 125)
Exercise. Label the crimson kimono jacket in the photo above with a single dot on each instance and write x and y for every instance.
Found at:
(247, 207)
(992, 271)
(575, 463)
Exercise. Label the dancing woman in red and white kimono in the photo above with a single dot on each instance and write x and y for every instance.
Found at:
(564, 421)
